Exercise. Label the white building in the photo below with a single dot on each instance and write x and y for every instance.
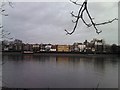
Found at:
(81, 47)
(48, 47)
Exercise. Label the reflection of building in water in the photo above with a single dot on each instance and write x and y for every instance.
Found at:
(28, 57)
(99, 64)
(62, 59)
(66, 59)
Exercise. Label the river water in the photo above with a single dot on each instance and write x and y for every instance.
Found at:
(60, 71)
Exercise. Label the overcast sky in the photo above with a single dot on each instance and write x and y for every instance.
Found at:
(44, 22)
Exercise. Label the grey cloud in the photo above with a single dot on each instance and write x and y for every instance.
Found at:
(45, 22)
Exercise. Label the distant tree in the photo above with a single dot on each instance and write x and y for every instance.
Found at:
(118, 49)
(82, 10)
(114, 48)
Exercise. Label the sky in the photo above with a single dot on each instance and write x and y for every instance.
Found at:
(45, 22)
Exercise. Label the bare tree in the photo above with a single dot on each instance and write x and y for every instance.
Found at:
(2, 4)
(83, 8)
(4, 34)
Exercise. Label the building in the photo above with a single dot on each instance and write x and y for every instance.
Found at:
(63, 48)
(36, 47)
(11, 46)
(53, 48)
(71, 48)
(17, 41)
(75, 47)
(81, 47)
(99, 45)
(27, 47)
(87, 48)
(5, 45)
(107, 48)
(42, 47)
(48, 47)
(17, 45)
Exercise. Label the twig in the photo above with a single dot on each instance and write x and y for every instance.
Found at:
(76, 21)
(82, 9)
(106, 22)
(75, 2)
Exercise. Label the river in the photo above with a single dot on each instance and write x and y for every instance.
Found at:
(60, 71)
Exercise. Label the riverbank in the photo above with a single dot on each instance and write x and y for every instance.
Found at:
(59, 53)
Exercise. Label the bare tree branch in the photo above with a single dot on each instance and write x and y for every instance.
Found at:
(73, 15)
(75, 2)
(110, 21)
(2, 10)
(84, 8)
(97, 31)
(4, 34)
(4, 14)
(73, 21)
(76, 20)
(1, 26)
(11, 4)
(81, 16)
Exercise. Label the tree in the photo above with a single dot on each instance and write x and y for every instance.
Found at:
(83, 8)
(114, 48)
(3, 33)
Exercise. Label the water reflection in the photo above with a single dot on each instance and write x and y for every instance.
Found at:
(39, 71)
(64, 59)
